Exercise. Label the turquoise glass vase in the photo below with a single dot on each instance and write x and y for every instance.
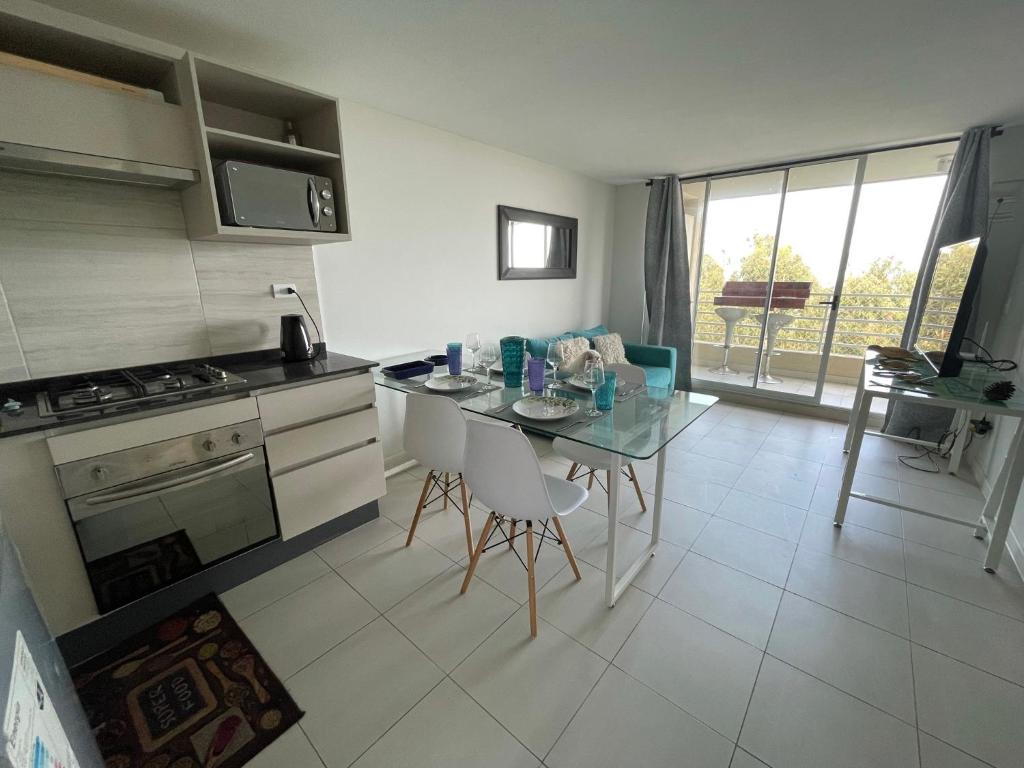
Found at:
(513, 352)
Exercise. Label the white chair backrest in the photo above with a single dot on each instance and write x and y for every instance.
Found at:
(503, 470)
(628, 373)
(435, 432)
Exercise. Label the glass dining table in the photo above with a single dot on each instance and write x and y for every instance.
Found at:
(641, 425)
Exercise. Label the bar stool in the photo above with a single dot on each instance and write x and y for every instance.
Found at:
(435, 435)
(776, 322)
(594, 459)
(505, 474)
(731, 316)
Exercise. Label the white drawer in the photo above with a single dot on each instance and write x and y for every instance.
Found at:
(152, 429)
(314, 494)
(313, 402)
(303, 444)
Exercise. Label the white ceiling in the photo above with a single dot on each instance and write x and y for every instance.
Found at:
(624, 89)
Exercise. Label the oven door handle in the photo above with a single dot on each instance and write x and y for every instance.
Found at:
(165, 484)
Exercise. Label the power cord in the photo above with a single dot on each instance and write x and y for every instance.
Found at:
(309, 314)
(941, 450)
(986, 358)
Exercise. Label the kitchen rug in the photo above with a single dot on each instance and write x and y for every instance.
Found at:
(124, 576)
(189, 691)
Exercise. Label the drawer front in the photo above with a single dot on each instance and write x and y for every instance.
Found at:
(314, 494)
(152, 429)
(299, 405)
(303, 444)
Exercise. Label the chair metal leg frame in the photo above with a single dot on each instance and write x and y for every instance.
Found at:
(445, 490)
(627, 471)
(493, 523)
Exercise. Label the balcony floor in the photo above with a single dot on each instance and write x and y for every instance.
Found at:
(836, 394)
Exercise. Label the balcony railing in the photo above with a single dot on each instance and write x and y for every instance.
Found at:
(864, 318)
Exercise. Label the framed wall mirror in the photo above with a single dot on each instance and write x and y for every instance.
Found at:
(535, 246)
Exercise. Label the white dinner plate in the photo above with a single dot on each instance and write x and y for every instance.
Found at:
(449, 383)
(545, 408)
(576, 382)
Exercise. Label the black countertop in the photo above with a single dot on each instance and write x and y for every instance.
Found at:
(261, 370)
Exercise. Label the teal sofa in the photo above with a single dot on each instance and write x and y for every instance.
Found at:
(659, 363)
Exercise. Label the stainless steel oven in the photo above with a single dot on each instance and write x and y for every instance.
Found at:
(152, 515)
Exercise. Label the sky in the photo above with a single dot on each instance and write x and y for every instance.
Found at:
(893, 218)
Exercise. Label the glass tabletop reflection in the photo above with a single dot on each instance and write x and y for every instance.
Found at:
(639, 425)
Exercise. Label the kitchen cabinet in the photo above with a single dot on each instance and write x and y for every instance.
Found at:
(323, 450)
(176, 117)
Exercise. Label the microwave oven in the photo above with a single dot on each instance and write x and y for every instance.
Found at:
(253, 195)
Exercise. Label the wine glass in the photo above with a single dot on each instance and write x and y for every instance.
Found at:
(472, 343)
(488, 355)
(593, 377)
(555, 359)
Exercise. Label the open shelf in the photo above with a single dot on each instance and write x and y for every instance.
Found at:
(276, 236)
(231, 145)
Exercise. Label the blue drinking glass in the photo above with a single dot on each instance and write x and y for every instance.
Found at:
(455, 358)
(605, 394)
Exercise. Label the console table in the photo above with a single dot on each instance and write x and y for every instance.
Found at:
(962, 393)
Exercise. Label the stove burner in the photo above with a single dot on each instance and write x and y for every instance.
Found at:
(116, 390)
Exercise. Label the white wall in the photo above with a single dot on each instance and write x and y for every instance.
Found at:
(421, 269)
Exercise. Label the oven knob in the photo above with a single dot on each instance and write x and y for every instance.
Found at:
(325, 194)
(328, 211)
(100, 473)
(209, 444)
(237, 438)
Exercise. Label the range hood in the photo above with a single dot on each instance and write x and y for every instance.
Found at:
(56, 162)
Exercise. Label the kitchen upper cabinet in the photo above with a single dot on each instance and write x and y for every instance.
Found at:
(111, 109)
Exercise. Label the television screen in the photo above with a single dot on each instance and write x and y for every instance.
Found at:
(947, 305)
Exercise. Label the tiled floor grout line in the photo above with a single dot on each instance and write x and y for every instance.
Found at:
(910, 649)
(764, 654)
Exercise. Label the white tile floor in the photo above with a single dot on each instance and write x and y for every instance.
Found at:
(758, 636)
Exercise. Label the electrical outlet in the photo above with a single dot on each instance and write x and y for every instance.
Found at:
(280, 290)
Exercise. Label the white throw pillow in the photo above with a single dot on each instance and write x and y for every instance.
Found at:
(610, 349)
(574, 353)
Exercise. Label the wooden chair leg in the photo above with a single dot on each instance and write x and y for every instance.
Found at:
(476, 555)
(590, 480)
(636, 487)
(419, 507)
(531, 578)
(572, 472)
(447, 484)
(465, 514)
(511, 534)
(565, 545)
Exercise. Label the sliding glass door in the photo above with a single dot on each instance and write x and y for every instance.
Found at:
(778, 253)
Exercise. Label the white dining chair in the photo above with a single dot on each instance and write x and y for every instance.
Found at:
(593, 460)
(435, 435)
(505, 474)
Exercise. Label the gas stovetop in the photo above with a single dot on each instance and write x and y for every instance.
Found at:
(114, 390)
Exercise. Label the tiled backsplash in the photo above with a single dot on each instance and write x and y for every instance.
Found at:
(97, 275)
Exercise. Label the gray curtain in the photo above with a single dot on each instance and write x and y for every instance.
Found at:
(667, 274)
(962, 214)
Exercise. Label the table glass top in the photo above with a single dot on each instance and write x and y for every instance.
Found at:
(967, 389)
(638, 426)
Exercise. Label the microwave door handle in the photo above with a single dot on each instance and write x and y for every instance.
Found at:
(165, 484)
(314, 202)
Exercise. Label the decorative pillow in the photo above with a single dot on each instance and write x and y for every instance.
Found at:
(574, 352)
(610, 348)
(590, 333)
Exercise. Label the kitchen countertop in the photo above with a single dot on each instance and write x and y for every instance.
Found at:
(261, 370)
